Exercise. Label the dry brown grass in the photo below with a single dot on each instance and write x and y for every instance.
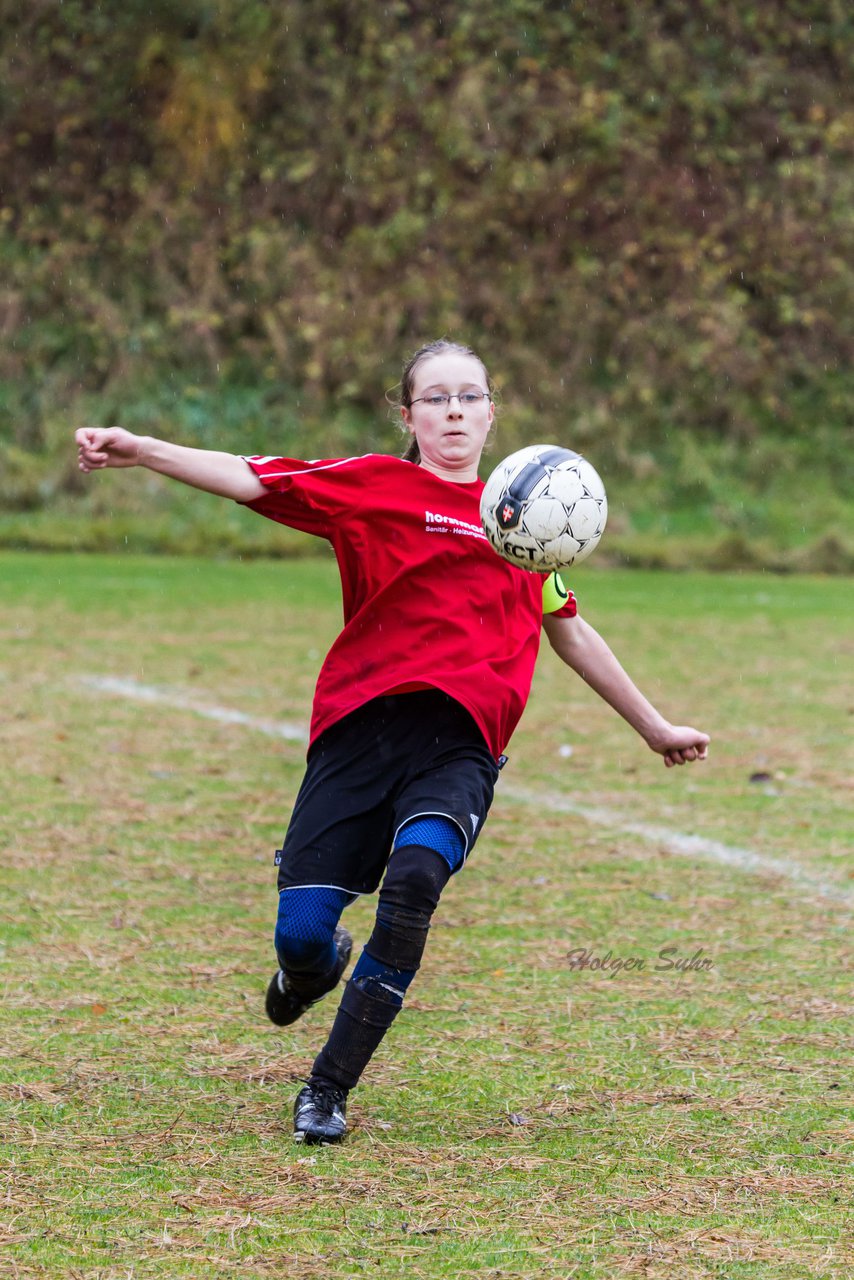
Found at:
(523, 1119)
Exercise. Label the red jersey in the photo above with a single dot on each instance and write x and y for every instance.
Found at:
(427, 602)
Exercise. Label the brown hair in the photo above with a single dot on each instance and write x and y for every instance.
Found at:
(442, 346)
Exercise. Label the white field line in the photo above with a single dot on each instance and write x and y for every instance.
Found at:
(187, 702)
(698, 848)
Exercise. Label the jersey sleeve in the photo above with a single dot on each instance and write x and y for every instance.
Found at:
(558, 600)
(315, 496)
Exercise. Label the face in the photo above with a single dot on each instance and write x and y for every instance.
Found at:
(450, 436)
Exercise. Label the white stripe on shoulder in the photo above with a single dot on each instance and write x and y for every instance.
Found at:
(308, 467)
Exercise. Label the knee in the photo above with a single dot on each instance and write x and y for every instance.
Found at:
(413, 882)
(305, 925)
(437, 832)
(295, 954)
(414, 879)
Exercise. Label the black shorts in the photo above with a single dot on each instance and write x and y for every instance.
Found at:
(398, 757)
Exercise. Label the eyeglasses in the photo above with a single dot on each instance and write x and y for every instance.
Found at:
(467, 399)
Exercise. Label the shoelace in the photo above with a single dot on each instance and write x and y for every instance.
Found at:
(327, 1096)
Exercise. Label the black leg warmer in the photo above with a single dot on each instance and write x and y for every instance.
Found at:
(414, 879)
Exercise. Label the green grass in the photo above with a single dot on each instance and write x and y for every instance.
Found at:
(522, 1118)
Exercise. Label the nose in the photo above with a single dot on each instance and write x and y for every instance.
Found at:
(452, 412)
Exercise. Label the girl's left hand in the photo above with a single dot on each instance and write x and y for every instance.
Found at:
(680, 744)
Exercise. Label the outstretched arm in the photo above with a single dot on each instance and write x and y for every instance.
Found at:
(581, 647)
(222, 473)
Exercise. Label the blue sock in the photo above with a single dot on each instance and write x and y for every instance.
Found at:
(381, 980)
(305, 927)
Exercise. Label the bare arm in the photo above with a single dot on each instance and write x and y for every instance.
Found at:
(582, 648)
(225, 474)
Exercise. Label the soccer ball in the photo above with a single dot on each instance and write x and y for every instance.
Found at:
(544, 508)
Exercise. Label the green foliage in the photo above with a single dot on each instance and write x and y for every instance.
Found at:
(640, 214)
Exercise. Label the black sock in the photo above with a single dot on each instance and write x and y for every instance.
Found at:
(413, 882)
(362, 1020)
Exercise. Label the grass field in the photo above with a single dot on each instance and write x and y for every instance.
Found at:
(525, 1117)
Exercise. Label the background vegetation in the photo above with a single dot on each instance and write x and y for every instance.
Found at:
(231, 221)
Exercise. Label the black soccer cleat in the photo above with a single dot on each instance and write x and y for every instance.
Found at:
(320, 1112)
(284, 1005)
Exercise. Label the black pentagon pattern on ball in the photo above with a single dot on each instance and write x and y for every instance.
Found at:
(509, 510)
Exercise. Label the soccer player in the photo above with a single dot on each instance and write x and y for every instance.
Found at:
(415, 702)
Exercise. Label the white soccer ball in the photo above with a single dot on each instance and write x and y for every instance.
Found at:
(544, 508)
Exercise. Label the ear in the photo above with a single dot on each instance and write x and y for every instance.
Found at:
(407, 417)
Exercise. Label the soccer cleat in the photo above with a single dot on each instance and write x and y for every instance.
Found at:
(320, 1112)
(284, 1005)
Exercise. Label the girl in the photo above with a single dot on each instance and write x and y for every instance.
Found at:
(415, 701)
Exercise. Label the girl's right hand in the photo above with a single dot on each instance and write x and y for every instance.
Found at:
(99, 447)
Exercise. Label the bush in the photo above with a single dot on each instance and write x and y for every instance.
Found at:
(640, 214)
